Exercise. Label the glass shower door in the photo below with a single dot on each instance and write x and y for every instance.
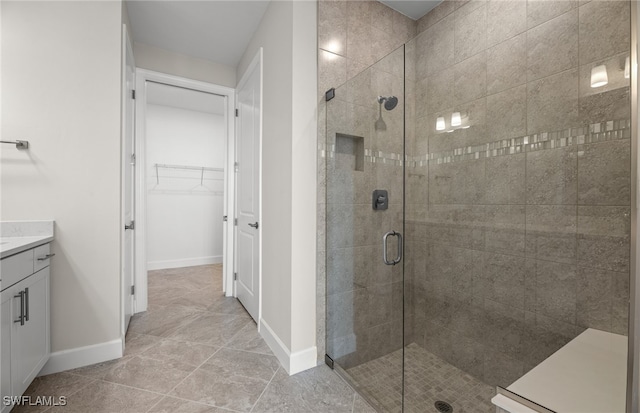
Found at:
(365, 209)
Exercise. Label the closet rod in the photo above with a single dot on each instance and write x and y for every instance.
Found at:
(196, 168)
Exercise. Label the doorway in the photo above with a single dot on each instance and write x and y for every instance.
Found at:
(185, 150)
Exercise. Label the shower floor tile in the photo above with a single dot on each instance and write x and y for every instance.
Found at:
(428, 379)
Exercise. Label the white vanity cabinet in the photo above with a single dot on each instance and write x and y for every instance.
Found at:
(25, 338)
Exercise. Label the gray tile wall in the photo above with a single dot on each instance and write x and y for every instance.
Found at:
(353, 35)
(518, 226)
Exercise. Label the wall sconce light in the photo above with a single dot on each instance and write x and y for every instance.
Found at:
(599, 76)
(627, 72)
(440, 125)
(456, 119)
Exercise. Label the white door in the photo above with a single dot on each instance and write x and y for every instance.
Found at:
(248, 187)
(128, 183)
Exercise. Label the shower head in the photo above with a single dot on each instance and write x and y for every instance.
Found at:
(389, 102)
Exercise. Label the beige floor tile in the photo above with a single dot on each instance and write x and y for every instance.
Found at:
(186, 352)
(149, 374)
(210, 328)
(103, 397)
(315, 390)
(162, 321)
(139, 343)
(99, 370)
(227, 305)
(173, 405)
(227, 363)
(51, 386)
(248, 339)
(235, 392)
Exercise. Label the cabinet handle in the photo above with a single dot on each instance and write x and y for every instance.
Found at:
(21, 318)
(26, 305)
(46, 257)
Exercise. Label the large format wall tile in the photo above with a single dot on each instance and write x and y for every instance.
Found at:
(603, 237)
(507, 64)
(505, 19)
(507, 114)
(470, 30)
(552, 102)
(540, 11)
(551, 232)
(604, 172)
(604, 29)
(505, 179)
(470, 79)
(551, 176)
(552, 47)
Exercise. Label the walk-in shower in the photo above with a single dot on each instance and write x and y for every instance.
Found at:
(508, 174)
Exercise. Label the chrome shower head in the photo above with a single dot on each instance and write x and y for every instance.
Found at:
(389, 102)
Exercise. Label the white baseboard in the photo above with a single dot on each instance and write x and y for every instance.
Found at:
(292, 362)
(185, 262)
(82, 356)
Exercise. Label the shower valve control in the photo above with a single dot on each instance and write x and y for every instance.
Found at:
(380, 199)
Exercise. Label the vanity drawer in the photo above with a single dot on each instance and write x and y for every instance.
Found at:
(42, 257)
(16, 267)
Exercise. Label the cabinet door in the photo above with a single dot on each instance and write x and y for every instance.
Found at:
(6, 326)
(30, 342)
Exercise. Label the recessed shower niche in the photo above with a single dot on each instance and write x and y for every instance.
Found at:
(349, 152)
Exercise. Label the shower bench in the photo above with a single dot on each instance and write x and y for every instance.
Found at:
(587, 375)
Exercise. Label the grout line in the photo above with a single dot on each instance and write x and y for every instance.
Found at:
(265, 388)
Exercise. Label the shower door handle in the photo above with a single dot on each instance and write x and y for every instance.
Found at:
(385, 239)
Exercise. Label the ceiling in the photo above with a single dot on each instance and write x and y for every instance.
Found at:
(412, 8)
(218, 31)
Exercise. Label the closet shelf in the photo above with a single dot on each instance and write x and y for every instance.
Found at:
(202, 170)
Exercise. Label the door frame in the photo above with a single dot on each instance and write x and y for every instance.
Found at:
(142, 77)
(127, 53)
(256, 63)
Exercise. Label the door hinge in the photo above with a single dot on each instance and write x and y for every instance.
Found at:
(225, 218)
(133, 159)
(235, 222)
(133, 94)
(132, 225)
(236, 166)
(133, 290)
(237, 113)
(235, 276)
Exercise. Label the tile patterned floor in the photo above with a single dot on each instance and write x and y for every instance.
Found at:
(428, 378)
(194, 351)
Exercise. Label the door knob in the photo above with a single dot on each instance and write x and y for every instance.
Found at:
(254, 225)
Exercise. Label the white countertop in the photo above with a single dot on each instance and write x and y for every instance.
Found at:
(13, 245)
(18, 236)
(587, 375)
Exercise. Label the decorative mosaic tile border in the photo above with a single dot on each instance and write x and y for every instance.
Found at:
(596, 132)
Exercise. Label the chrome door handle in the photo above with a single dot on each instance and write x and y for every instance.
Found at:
(46, 257)
(21, 318)
(385, 239)
(132, 225)
(254, 225)
(26, 304)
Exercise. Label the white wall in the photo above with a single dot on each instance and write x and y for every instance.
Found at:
(61, 64)
(165, 61)
(184, 218)
(288, 35)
